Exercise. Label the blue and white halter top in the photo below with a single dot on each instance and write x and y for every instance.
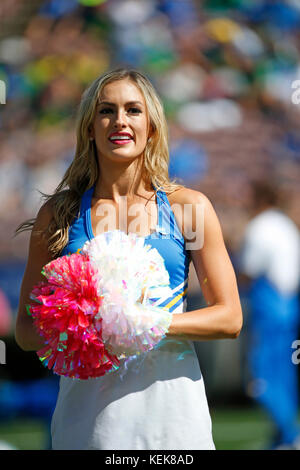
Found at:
(167, 239)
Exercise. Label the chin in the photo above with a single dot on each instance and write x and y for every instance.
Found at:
(122, 156)
(119, 154)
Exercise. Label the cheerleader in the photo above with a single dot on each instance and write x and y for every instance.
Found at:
(121, 163)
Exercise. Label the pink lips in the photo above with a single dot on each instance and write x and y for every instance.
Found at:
(120, 141)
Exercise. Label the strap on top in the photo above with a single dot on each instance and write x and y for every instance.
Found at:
(86, 200)
(166, 220)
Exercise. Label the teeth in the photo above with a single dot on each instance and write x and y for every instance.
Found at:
(120, 138)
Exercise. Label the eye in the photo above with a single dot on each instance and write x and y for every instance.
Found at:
(105, 111)
(134, 110)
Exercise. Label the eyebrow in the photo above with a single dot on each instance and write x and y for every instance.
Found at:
(112, 104)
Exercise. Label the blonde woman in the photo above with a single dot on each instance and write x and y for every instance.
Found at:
(120, 169)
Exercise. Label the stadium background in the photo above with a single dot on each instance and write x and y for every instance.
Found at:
(224, 70)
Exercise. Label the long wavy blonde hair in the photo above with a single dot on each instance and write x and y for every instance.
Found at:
(83, 172)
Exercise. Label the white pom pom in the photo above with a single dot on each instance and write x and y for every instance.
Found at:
(132, 274)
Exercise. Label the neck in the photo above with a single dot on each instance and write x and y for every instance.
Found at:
(120, 180)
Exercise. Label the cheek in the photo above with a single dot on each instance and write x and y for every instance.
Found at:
(143, 131)
(142, 139)
(100, 127)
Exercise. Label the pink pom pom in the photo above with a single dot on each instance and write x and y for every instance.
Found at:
(65, 314)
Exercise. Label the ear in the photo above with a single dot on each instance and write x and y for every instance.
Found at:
(151, 131)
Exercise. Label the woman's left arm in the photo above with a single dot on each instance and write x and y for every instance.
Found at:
(222, 318)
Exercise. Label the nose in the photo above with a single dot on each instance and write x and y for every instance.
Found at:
(120, 121)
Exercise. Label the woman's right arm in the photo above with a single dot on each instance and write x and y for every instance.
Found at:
(25, 333)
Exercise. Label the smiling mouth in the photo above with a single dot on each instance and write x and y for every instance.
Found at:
(118, 140)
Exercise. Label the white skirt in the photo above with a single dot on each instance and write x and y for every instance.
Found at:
(157, 404)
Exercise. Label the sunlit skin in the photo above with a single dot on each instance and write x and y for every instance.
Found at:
(121, 108)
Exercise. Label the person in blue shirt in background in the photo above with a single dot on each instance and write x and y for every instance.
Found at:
(269, 265)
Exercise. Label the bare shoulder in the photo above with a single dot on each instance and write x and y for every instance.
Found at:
(42, 222)
(190, 207)
(195, 215)
(188, 196)
(45, 213)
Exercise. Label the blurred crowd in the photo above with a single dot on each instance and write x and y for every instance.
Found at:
(224, 70)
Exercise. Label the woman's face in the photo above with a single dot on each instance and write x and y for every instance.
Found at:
(121, 123)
